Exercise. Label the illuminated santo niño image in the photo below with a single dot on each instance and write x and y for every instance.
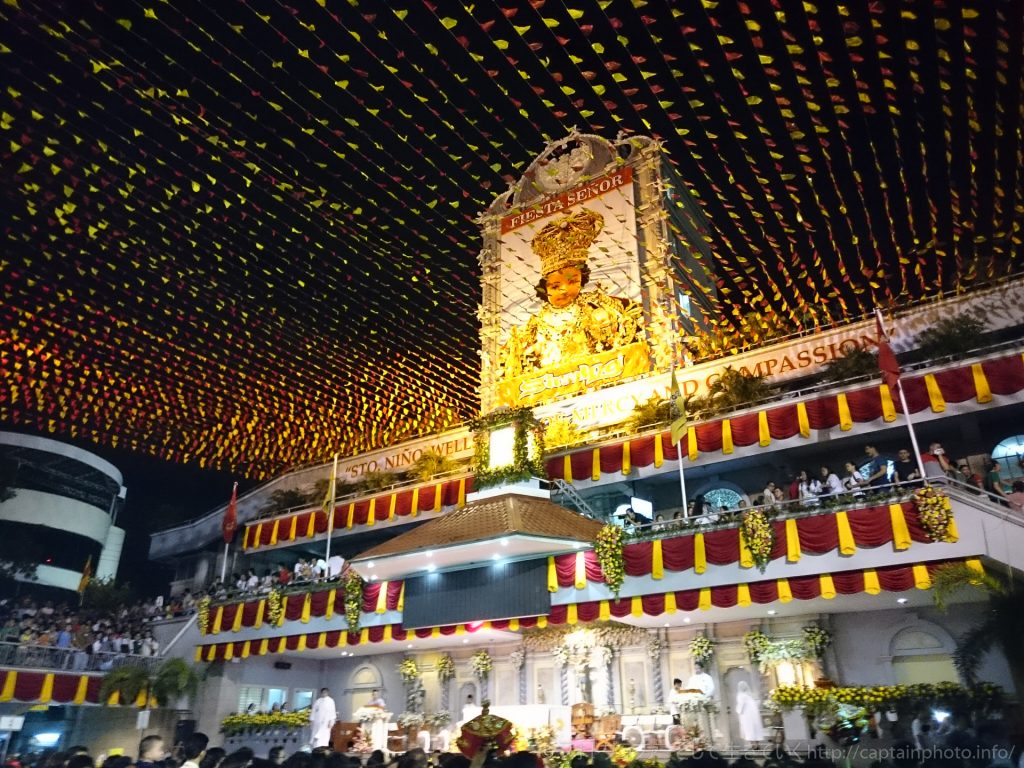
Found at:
(572, 323)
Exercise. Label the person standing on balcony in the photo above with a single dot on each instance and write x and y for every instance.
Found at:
(830, 482)
(1016, 498)
(936, 463)
(808, 488)
(878, 467)
(906, 468)
(854, 480)
(993, 480)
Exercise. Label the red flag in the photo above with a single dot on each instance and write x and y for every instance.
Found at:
(230, 524)
(887, 362)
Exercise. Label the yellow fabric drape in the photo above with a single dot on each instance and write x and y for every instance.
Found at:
(415, 502)
(115, 698)
(391, 505)
(438, 497)
(552, 575)
(704, 600)
(670, 603)
(261, 611)
(371, 514)
(580, 574)
(256, 536)
(636, 606)
(462, 493)
(764, 435)
(571, 615)
(198, 655)
(329, 610)
(981, 384)
(659, 452)
(567, 468)
(542, 622)
(847, 546)
(46, 692)
(888, 407)
(292, 529)
(595, 464)
(845, 419)
(691, 443)
(264, 646)
(351, 517)
(401, 599)
(387, 633)
(700, 559)
(218, 615)
(513, 625)
(229, 652)
(311, 526)
(604, 611)
(211, 655)
(274, 531)
(364, 636)
(657, 562)
(828, 587)
(922, 579)
(83, 688)
(626, 462)
(871, 583)
(935, 398)
(785, 593)
(306, 603)
(975, 565)
(236, 625)
(246, 649)
(8, 691)
(793, 551)
(802, 420)
(743, 595)
(746, 558)
(900, 532)
(382, 598)
(727, 444)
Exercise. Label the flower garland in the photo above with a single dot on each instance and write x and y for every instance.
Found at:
(934, 512)
(445, 668)
(274, 607)
(482, 664)
(609, 556)
(203, 613)
(353, 600)
(232, 725)
(655, 645)
(525, 463)
(412, 720)
(817, 640)
(408, 670)
(517, 658)
(984, 696)
(756, 642)
(702, 649)
(759, 535)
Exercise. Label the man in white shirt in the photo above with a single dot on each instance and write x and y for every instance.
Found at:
(701, 681)
(322, 716)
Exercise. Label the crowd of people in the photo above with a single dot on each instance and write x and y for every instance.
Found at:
(313, 570)
(963, 748)
(65, 637)
(876, 472)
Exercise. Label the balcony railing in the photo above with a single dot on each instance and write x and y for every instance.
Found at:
(70, 659)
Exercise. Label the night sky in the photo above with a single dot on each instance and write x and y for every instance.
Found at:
(240, 236)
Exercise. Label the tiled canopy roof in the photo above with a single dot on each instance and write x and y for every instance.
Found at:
(506, 515)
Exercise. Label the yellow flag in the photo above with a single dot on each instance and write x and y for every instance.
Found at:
(679, 425)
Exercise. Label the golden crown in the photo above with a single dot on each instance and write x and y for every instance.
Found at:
(565, 241)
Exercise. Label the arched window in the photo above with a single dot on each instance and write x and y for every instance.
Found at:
(717, 498)
(1009, 454)
(922, 654)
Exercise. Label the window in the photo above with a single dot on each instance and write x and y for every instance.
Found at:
(722, 497)
(1009, 454)
(302, 698)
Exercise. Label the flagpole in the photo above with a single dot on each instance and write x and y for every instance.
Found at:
(330, 512)
(884, 338)
(680, 403)
(682, 479)
(224, 565)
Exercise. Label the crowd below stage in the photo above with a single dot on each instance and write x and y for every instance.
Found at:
(988, 748)
(60, 637)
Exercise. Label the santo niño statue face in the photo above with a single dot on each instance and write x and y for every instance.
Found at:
(563, 286)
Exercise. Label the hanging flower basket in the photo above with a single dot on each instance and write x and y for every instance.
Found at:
(481, 664)
(408, 670)
(274, 607)
(756, 642)
(817, 640)
(702, 649)
(609, 556)
(759, 535)
(203, 613)
(353, 600)
(934, 513)
(445, 668)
